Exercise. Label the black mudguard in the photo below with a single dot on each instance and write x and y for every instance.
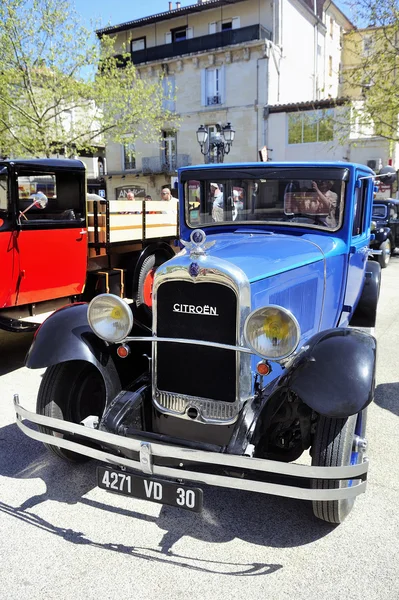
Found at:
(335, 375)
(66, 335)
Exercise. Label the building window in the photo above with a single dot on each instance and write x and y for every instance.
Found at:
(368, 45)
(331, 27)
(179, 34)
(311, 126)
(129, 158)
(169, 150)
(226, 25)
(138, 44)
(212, 86)
(330, 66)
(168, 102)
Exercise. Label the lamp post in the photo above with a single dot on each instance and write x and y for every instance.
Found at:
(219, 143)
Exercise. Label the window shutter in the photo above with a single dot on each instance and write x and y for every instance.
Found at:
(189, 33)
(222, 84)
(235, 23)
(168, 38)
(203, 87)
(212, 27)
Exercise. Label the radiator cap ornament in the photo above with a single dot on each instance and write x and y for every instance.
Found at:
(197, 245)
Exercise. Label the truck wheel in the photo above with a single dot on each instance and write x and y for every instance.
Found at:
(384, 258)
(146, 280)
(70, 391)
(333, 446)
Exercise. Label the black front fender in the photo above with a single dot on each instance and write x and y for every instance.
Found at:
(335, 375)
(66, 335)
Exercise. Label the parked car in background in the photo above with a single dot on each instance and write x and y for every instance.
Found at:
(385, 228)
(252, 359)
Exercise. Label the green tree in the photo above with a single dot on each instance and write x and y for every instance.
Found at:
(371, 74)
(63, 91)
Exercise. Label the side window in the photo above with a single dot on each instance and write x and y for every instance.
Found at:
(359, 208)
(3, 190)
(64, 194)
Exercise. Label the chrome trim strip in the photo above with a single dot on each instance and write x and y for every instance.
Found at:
(154, 338)
(168, 451)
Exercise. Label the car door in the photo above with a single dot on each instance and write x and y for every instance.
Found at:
(51, 243)
(359, 242)
(8, 269)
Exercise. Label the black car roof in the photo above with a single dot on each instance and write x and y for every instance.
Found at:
(49, 163)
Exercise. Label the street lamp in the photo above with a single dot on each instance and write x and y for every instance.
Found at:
(219, 142)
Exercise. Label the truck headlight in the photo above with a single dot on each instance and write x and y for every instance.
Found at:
(272, 332)
(110, 317)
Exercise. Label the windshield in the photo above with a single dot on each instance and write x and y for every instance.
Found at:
(379, 211)
(279, 199)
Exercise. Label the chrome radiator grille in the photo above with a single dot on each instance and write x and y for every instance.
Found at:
(208, 409)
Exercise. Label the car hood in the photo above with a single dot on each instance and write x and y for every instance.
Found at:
(264, 254)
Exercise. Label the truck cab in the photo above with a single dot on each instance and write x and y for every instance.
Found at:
(60, 245)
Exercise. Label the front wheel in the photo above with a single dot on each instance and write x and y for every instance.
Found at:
(334, 446)
(70, 391)
(384, 258)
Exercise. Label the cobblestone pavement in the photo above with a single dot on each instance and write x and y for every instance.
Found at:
(61, 537)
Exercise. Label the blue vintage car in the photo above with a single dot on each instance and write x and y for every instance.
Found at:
(253, 348)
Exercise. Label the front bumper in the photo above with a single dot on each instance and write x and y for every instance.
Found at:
(149, 452)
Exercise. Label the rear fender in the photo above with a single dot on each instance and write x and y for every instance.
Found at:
(66, 335)
(335, 375)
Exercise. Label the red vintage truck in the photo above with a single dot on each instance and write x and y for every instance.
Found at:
(59, 245)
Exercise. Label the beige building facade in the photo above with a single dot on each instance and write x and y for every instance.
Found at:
(223, 62)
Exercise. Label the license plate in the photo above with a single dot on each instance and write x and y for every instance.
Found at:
(145, 488)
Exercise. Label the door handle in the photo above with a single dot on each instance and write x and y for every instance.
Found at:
(83, 232)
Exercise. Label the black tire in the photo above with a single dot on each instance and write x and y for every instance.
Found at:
(384, 258)
(70, 391)
(333, 447)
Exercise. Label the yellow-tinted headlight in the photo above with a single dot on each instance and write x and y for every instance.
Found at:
(110, 317)
(272, 332)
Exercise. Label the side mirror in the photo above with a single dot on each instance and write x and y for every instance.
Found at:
(387, 175)
(40, 200)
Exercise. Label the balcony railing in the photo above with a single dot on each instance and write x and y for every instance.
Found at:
(156, 164)
(202, 43)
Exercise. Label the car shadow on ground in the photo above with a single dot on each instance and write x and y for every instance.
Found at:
(259, 519)
(387, 396)
(13, 350)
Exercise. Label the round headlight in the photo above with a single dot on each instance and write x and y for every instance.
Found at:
(110, 317)
(272, 332)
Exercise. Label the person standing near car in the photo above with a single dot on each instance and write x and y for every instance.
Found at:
(165, 194)
(328, 201)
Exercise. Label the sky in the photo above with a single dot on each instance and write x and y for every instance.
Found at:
(114, 12)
